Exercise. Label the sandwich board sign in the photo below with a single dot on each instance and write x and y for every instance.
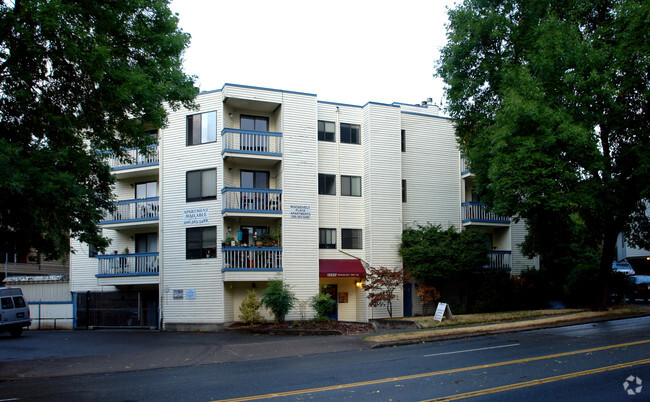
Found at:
(443, 310)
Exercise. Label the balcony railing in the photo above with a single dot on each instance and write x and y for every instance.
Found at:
(255, 200)
(127, 264)
(138, 159)
(464, 165)
(145, 209)
(477, 212)
(252, 258)
(251, 142)
(499, 260)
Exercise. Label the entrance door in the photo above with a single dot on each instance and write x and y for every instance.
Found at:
(332, 290)
(408, 300)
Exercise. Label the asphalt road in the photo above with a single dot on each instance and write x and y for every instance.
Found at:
(583, 362)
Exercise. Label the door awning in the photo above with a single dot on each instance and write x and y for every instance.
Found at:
(341, 268)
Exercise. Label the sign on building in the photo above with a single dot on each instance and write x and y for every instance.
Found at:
(300, 211)
(196, 216)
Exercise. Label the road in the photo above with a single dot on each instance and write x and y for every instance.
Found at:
(583, 362)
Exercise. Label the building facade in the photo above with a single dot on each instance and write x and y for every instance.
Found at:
(261, 183)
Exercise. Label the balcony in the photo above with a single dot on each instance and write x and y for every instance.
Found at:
(499, 260)
(251, 201)
(140, 212)
(262, 145)
(464, 167)
(251, 263)
(138, 165)
(475, 213)
(127, 269)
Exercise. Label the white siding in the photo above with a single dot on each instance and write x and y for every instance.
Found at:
(300, 187)
(202, 275)
(518, 261)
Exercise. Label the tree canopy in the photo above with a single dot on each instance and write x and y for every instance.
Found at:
(77, 78)
(550, 101)
(433, 255)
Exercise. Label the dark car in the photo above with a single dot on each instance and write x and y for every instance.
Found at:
(640, 288)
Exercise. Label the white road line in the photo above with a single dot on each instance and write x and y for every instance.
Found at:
(473, 350)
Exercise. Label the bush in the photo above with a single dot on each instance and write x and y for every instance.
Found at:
(279, 299)
(323, 304)
(584, 286)
(429, 296)
(490, 291)
(248, 309)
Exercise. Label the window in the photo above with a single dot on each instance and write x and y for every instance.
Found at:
(254, 179)
(146, 242)
(146, 190)
(254, 123)
(92, 251)
(403, 140)
(248, 234)
(201, 128)
(201, 185)
(350, 133)
(326, 184)
(351, 185)
(201, 242)
(7, 303)
(351, 238)
(403, 190)
(326, 131)
(326, 238)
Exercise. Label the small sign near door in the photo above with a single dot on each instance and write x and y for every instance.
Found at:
(300, 211)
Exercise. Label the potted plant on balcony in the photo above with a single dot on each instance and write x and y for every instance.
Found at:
(230, 241)
(267, 239)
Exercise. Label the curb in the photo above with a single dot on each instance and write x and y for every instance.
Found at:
(277, 331)
(478, 332)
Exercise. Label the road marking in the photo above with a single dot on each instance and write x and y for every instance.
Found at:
(539, 381)
(431, 374)
(473, 350)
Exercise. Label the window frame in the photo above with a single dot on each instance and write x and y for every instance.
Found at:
(348, 138)
(322, 238)
(324, 135)
(203, 252)
(346, 189)
(203, 197)
(189, 128)
(322, 183)
(348, 237)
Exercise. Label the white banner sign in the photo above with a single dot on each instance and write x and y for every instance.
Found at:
(196, 216)
(300, 211)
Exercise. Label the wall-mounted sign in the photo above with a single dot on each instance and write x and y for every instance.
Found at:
(196, 216)
(300, 211)
(190, 294)
(178, 294)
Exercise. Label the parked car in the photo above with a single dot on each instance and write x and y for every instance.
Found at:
(640, 288)
(623, 267)
(14, 311)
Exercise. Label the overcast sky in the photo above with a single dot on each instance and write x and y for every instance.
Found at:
(351, 51)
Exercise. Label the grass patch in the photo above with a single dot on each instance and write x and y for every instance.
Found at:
(485, 318)
(474, 324)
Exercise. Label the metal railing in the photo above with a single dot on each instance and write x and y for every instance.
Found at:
(477, 212)
(499, 260)
(137, 159)
(144, 209)
(252, 200)
(127, 264)
(252, 258)
(251, 142)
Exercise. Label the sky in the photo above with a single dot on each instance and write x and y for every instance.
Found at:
(352, 51)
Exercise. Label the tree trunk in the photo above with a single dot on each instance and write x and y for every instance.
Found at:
(606, 258)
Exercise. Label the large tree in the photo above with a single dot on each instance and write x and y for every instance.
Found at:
(550, 100)
(78, 78)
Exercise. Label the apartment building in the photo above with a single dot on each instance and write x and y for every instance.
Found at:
(261, 183)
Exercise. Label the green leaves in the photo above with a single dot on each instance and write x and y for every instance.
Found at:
(77, 78)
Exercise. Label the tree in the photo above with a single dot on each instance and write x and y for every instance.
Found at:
(550, 101)
(433, 255)
(279, 299)
(78, 78)
(249, 309)
(381, 284)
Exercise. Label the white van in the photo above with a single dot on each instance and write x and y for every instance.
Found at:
(14, 311)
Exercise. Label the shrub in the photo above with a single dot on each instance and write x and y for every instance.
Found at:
(584, 286)
(429, 296)
(248, 309)
(323, 304)
(279, 299)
